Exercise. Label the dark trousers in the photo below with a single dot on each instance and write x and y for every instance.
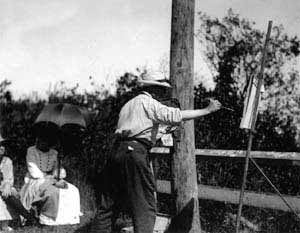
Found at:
(14, 203)
(127, 185)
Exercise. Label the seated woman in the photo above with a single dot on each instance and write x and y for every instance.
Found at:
(6, 189)
(43, 191)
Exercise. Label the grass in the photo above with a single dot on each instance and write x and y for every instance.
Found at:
(83, 227)
(213, 217)
(77, 176)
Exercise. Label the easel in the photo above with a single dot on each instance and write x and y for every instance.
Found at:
(251, 131)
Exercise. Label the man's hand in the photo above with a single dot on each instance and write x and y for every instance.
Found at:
(6, 190)
(214, 105)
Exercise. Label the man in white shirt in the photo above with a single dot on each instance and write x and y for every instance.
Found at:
(130, 182)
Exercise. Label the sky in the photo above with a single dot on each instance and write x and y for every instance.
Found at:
(43, 42)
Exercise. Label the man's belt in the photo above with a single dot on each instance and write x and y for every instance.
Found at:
(146, 143)
(143, 141)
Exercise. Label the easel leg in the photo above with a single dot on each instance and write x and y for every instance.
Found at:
(244, 182)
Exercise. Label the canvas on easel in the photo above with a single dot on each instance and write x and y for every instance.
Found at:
(248, 114)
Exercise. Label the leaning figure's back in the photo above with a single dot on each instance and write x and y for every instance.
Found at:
(133, 116)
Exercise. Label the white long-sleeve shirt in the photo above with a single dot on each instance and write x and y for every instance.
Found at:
(141, 116)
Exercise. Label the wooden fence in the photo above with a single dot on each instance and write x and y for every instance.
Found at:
(263, 200)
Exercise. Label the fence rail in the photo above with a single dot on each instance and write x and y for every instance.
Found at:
(291, 156)
(256, 199)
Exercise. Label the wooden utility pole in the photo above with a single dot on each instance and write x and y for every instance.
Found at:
(181, 76)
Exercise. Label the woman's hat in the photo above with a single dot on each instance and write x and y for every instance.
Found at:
(153, 79)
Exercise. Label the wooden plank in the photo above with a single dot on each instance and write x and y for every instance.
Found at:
(254, 154)
(160, 150)
(292, 156)
(226, 195)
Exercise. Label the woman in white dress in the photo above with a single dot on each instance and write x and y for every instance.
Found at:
(41, 188)
(40, 183)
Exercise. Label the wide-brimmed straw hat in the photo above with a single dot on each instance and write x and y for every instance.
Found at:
(153, 79)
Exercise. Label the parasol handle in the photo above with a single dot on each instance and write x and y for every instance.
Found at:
(58, 164)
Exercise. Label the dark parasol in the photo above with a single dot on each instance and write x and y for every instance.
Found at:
(54, 119)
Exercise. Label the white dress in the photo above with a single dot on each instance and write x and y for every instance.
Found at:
(68, 208)
(6, 167)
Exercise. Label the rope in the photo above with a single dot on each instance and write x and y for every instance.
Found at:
(276, 190)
